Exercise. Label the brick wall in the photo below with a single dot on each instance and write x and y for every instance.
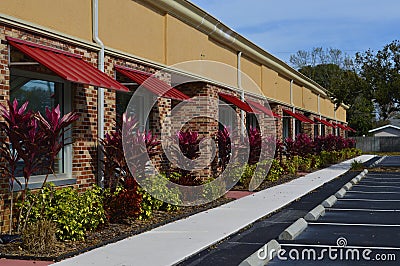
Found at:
(84, 101)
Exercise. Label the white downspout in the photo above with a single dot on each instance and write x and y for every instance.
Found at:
(239, 84)
(293, 110)
(320, 117)
(100, 91)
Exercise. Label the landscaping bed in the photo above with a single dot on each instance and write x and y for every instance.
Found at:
(105, 234)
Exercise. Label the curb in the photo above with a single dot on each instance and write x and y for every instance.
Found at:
(340, 194)
(329, 202)
(293, 230)
(376, 162)
(263, 255)
(315, 213)
(348, 186)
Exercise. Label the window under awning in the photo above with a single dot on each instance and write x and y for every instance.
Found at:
(237, 102)
(298, 116)
(66, 65)
(262, 108)
(340, 126)
(326, 123)
(152, 83)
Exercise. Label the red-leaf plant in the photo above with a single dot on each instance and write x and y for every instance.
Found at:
(127, 203)
(224, 147)
(16, 123)
(34, 139)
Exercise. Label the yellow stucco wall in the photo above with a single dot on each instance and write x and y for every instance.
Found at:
(310, 100)
(341, 114)
(140, 30)
(133, 28)
(297, 95)
(327, 108)
(185, 44)
(275, 86)
(253, 70)
(73, 17)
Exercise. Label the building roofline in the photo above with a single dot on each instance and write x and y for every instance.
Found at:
(193, 15)
(383, 127)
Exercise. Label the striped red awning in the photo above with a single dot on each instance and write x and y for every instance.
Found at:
(237, 102)
(262, 108)
(299, 116)
(152, 83)
(351, 129)
(326, 123)
(66, 65)
(340, 126)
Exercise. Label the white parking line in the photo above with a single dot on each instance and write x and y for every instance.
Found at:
(375, 186)
(371, 192)
(335, 246)
(368, 200)
(364, 210)
(379, 182)
(369, 225)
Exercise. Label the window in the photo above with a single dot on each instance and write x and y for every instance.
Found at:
(251, 121)
(43, 91)
(316, 130)
(140, 104)
(285, 127)
(298, 127)
(227, 116)
(323, 130)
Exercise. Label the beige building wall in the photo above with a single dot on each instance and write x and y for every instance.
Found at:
(185, 44)
(73, 17)
(341, 114)
(140, 30)
(297, 91)
(327, 108)
(310, 100)
(133, 28)
(275, 86)
(253, 71)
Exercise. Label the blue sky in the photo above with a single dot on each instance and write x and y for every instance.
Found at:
(285, 26)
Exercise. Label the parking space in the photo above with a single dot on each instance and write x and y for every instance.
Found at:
(366, 219)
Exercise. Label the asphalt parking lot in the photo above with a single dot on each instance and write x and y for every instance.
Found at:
(239, 246)
(362, 228)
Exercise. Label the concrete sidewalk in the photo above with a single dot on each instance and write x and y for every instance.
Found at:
(174, 242)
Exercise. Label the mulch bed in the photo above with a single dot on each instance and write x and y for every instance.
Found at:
(110, 233)
(106, 234)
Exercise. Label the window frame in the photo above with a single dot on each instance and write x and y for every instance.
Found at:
(65, 102)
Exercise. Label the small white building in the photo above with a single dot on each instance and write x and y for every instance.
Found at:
(386, 131)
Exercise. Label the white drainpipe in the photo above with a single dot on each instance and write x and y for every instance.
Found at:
(239, 84)
(293, 110)
(100, 91)
(320, 117)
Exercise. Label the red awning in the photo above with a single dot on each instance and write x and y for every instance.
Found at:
(351, 129)
(299, 116)
(340, 126)
(66, 65)
(237, 102)
(152, 83)
(262, 108)
(326, 123)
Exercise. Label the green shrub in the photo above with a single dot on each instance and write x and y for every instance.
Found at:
(276, 171)
(356, 165)
(158, 185)
(73, 213)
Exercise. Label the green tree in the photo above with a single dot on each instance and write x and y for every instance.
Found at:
(338, 74)
(381, 71)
